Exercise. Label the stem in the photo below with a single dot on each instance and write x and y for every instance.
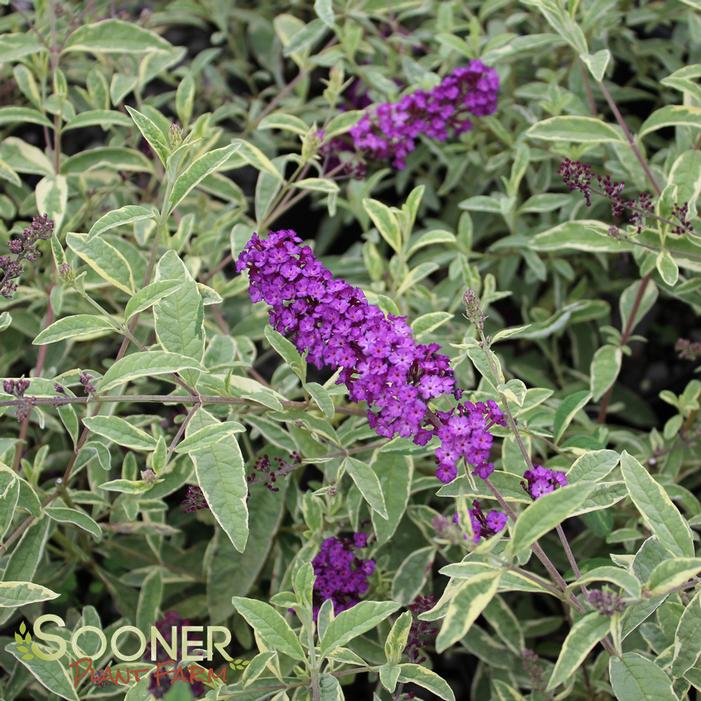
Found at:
(629, 137)
(187, 399)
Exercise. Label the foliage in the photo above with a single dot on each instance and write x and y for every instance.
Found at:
(174, 453)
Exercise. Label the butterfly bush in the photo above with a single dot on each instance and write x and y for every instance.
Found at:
(380, 361)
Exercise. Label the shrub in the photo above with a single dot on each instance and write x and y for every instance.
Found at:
(349, 349)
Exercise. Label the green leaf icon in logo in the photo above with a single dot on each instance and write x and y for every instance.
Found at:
(24, 642)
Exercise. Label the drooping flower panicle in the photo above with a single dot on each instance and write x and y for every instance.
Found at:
(341, 576)
(380, 361)
(580, 176)
(541, 480)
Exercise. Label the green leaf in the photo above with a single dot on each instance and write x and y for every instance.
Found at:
(7, 173)
(505, 692)
(121, 432)
(179, 317)
(287, 352)
(25, 158)
(24, 559)
(672, 116)
(567, 410)
(149, 295)
(636, 678)
(397, 637)
(129, 214)
(305, 37)
(52, 195)
(97, 118)
(604, 370)
(51, 674)
(660, 515)
(597, 63)
(426, 678)
(13, 594)
(411, 575)
(77, 517)
(144, 364)
(584, 235)
(104, 259)
(395, 472)
(270, 626)
(607, 573)
(431, 238)
(16, 46)
(547, 512)
(22, 115)
(110, 157)
(208, 435)
(197, 171)
(317, 185)
(324, 11)
(125, 486)
(353, 622)
(230, 573)
(646, 303)
(321, 398)
(386, 222)
(185, 99)
(286, 122)
(577, 130)
(368, 483)
(672, 574)
(583, 635)
(255, 157)
(341, 123)
(465, 606)
(221, 475)
(115, 36)
(687, 638)
(667, 268)
(593, 466)
(150, 596)
(78, 326)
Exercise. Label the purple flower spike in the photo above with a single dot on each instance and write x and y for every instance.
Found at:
(380, 361)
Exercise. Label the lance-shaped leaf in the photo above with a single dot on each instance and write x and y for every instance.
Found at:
(197, 171)
(13, 594)
(121, 432)
(78, 326)
(583, 635)
(144, 364)
(547, 512)
(661, 516)
(270, 626)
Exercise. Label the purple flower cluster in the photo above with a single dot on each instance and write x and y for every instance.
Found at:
(380, 361)
(340, 575)
(687, 349)
(541, 480)
(194, 500)
(24, 247)
(17, 388)
(169, 627)
(269, 472)
(483, 525)
(421, 633)
(390, 130)
(606, 602)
